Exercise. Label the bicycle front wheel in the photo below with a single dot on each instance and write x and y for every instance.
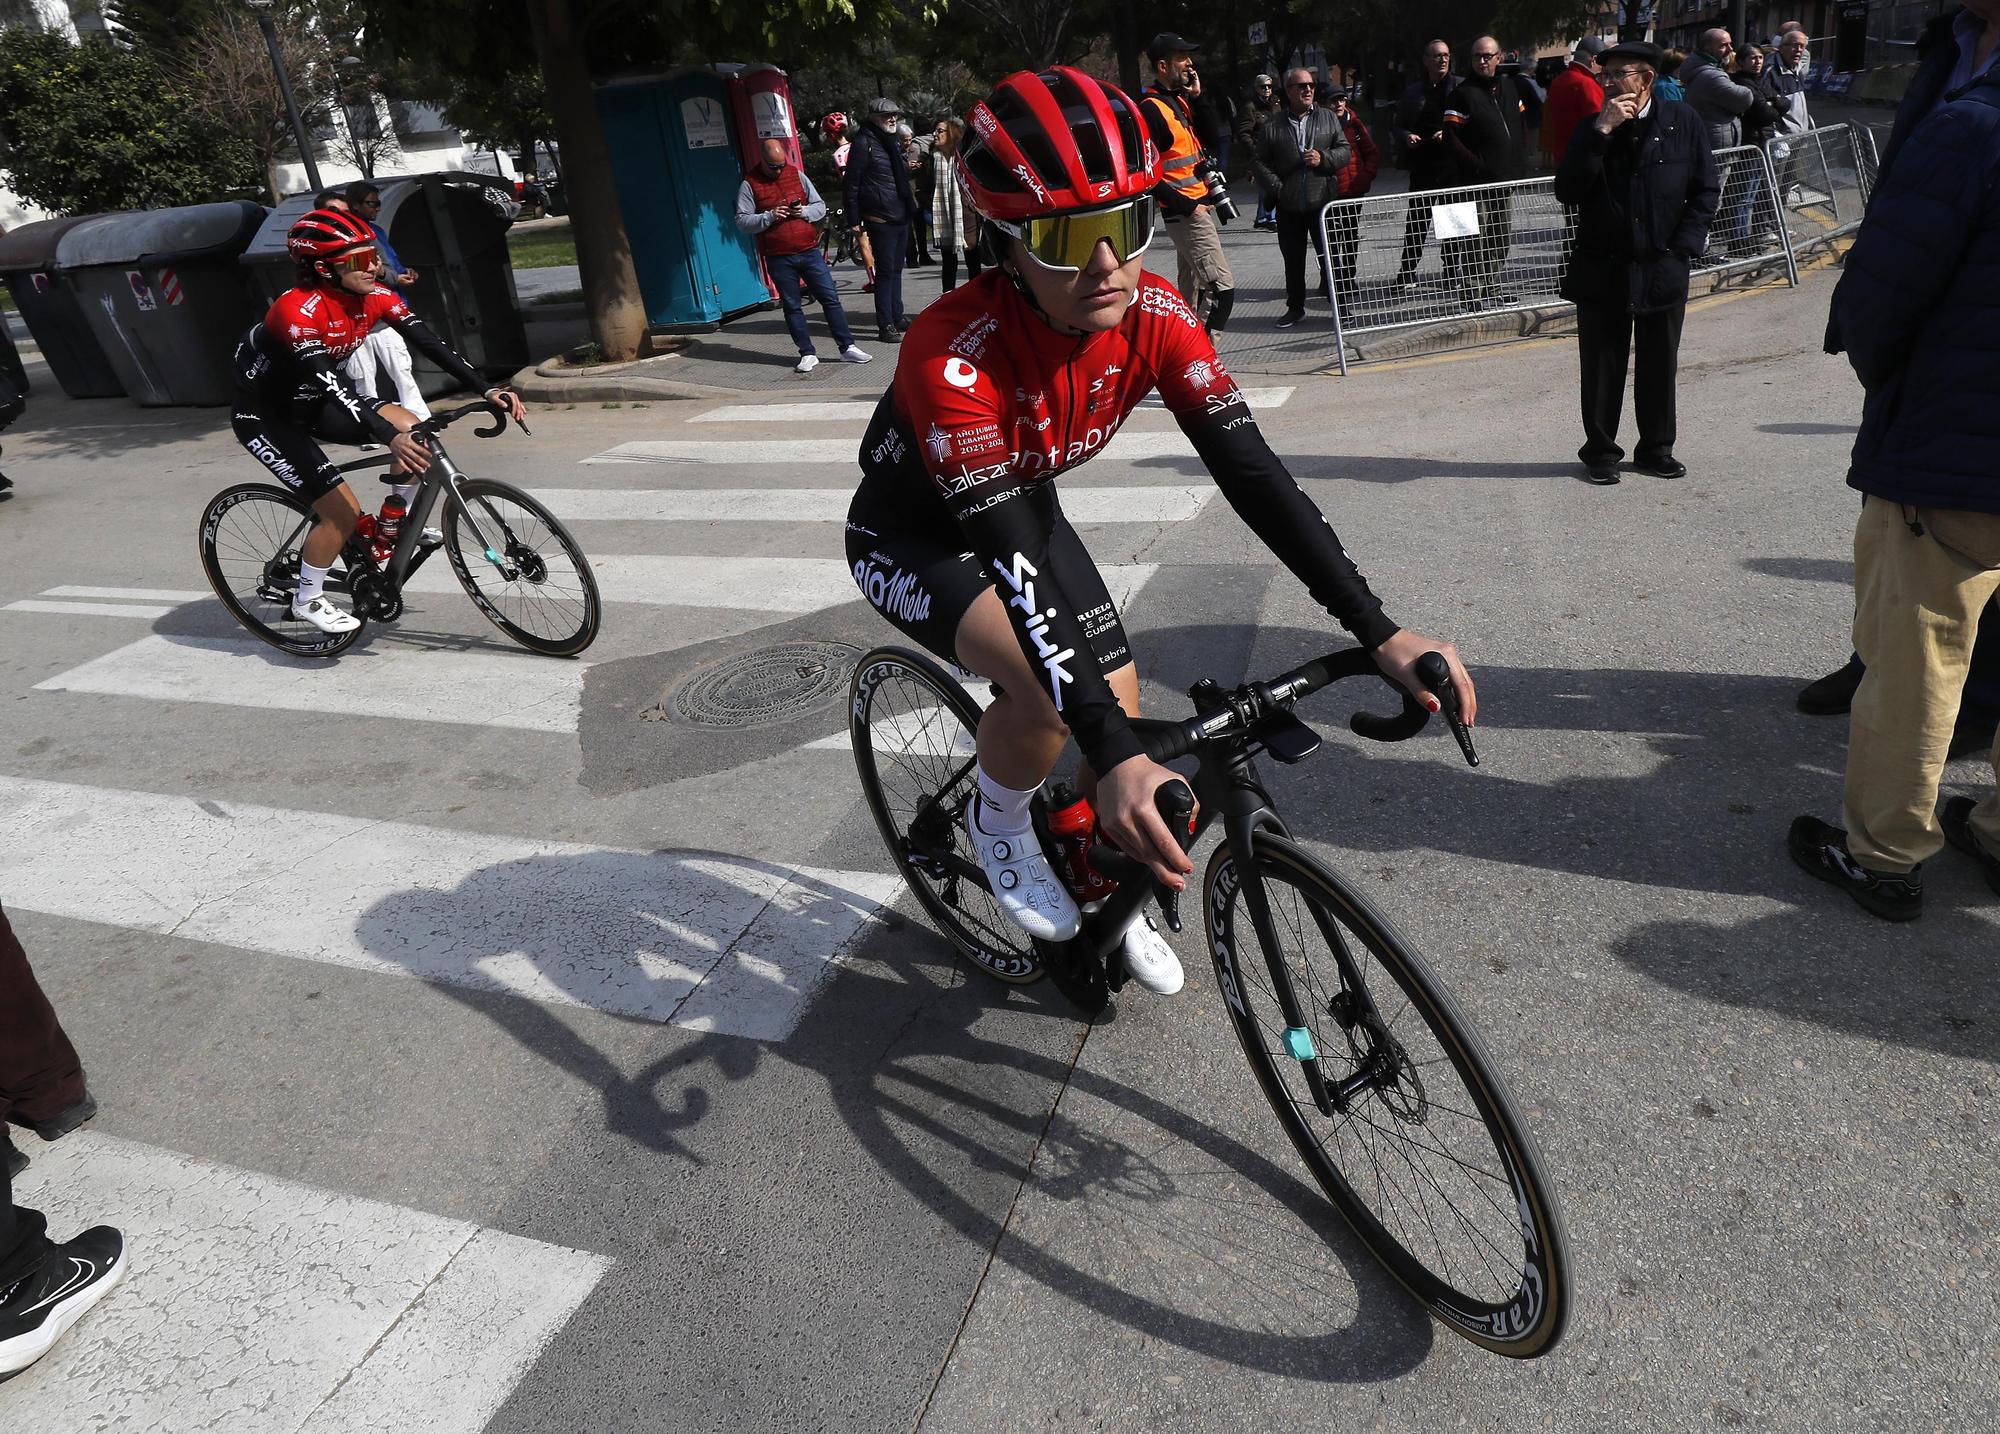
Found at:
(1421, 1148)
(250, 537)
(913, 727)
(550, 604)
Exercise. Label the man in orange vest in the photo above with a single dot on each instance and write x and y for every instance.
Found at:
(1183, 194)
(778, 205)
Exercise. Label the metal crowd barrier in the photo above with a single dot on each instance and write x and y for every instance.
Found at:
(1398, 261)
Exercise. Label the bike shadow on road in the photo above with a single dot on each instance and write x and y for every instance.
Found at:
(1383, 468)
(208, 624)
(1680, 781)
(945, 1080)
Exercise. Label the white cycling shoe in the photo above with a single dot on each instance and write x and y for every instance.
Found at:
(1149, 960)
(323, 615)
(1029, 892)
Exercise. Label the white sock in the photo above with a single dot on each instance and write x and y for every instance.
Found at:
(407, 492)
(312, 582)
(1002, 809)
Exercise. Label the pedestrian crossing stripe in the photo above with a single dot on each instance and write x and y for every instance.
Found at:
(1144, 504)
(700, 940)
(850, 410)
(820, 455)
(251, 1302)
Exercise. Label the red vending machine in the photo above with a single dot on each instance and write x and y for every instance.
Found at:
(760, 101)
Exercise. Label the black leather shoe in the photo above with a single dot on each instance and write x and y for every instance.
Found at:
(1832, 694)
(1291, 318)
(63, 1122)
(1666, 466)
(1602, 474)
(1820, 849)
(888, 336)
(1955, 820)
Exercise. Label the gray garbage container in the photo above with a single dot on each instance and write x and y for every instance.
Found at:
(10, 359)
(165, 296)
(448, 228)
(50, 309)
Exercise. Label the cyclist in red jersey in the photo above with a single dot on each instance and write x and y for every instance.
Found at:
(293, 392)
(956, 534)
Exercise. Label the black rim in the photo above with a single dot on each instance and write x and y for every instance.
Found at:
(913, 743)
(1428, 1162)
(551, 604)
(251, 555)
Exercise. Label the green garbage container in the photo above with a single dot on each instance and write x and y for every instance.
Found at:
(165, 296)
(50, 309)
(449, 228)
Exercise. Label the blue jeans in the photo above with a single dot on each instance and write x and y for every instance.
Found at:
(891, 242)
(807, 270)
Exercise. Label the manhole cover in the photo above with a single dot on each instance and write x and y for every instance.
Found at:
(760, 688)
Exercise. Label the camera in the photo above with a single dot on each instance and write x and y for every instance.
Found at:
(1218, 189)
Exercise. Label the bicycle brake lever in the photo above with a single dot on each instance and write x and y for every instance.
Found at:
(1175, 803)
(1435, 674)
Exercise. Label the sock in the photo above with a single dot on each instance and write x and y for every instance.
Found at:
(312, 582)
(407, 492)
(1002, 809)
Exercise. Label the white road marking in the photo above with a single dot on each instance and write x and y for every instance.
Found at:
(1150, 504)
(862, 409)
(251, 1302)
(382, 681)
(173, 595)
(711, 942)
(824, 455)
(89, 609)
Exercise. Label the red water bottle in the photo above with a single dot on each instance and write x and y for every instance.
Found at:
(388, 524)
(1073, 823)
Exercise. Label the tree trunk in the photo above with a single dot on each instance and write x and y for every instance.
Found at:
(611, 298)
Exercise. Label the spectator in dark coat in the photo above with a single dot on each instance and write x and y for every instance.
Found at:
(1644, 185)
(1300, 153)
(1722, 100)
(1355, 181)
(1421, 146)
(1486, 124)
(876, 193)
(1574, 95)
(1915, 310)
(1947, 59)
(13, 403)
(1259, 105)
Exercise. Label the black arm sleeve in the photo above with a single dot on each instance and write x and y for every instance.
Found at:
(419, 336)
(322, 374)
(1289, 523)
(1011, 532)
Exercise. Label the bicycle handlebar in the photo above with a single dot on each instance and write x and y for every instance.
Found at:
(444, 418)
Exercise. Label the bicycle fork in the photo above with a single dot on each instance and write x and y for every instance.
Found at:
(494, 550)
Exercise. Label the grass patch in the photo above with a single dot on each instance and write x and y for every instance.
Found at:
(541, 248)
(560, 296)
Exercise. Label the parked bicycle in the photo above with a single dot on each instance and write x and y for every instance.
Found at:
(1378, 1078)
(517, 563)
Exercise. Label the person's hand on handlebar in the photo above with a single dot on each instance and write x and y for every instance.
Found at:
(410, 453)
(1126, 814)
(1398, 656)
(509, 400)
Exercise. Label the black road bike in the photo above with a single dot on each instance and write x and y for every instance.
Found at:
(1377, 1076)
(517, 563)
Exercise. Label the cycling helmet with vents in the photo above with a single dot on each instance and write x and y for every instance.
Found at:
(327, 234)
(1062, 161)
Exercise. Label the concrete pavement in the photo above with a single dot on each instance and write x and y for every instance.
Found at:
(337, 945)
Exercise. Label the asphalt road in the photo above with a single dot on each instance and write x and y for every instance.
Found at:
(481, 1046)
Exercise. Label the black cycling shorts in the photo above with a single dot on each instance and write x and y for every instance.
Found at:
(276, 437)
(923, 581)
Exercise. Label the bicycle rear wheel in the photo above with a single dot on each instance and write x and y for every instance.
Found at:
(912, 727)
(550, 606)
(250, 536)
(1424, 1152)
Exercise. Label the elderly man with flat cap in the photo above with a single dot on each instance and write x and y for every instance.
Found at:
(1644, 186)
(880, 204)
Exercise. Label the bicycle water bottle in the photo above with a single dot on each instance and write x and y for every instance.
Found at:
(1073, 823)
(389, 524)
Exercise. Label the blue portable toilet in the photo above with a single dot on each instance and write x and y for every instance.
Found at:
(673, 154)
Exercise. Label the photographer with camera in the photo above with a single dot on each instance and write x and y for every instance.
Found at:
(1193, 197)
(1299, 153)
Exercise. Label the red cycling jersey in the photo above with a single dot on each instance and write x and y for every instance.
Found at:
(990, 402)
(337, 320)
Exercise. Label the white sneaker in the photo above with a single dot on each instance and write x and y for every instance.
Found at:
(854, 353)
(323, 615)
(806, 364)
(1027, 890)
(1149, 960)
(431, 538)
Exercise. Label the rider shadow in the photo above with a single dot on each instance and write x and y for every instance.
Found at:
(209, 625)
(943, 1077)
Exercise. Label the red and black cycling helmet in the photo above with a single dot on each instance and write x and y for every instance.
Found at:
(833, 126)
(323, 234)
(1053, 143)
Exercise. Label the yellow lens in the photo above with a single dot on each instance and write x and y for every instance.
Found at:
(1066, 241)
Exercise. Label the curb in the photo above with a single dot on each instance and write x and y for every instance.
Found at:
(642, 381)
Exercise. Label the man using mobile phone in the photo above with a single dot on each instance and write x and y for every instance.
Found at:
(778, 206)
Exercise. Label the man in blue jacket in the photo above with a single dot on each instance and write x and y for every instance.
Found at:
(1915, 313)
(879, 203)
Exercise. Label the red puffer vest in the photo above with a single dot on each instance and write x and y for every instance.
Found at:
(787, 236)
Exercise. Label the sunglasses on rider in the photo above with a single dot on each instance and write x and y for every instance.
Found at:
(1066, 242)
(355, 261)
